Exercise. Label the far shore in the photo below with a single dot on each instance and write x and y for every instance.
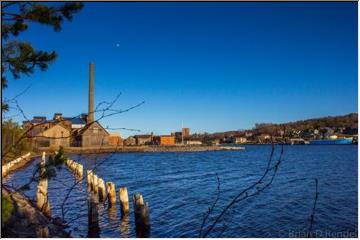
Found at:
(145, 148)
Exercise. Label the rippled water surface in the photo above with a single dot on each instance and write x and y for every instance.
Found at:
(179, 188)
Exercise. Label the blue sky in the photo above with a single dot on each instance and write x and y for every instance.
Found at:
(212, 66)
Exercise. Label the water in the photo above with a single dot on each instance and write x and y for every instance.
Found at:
(179, 188)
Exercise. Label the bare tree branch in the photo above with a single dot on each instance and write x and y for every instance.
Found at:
(254, 189)
(313, 209)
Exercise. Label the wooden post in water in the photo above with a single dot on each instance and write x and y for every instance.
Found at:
(95, 183)
(102, 192)
(42, 200)
(93, 218)
(76, 169)
(111, 190)
(142, 218)
(88, 177)
(91, 182)
(124, 200)
(81, 171)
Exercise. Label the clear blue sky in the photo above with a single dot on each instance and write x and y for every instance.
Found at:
(214, 66)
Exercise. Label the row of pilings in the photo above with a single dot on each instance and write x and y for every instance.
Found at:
(14, 164)
(101, 192)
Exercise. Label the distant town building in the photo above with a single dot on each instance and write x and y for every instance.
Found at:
(167, 140)
(130, 141)
(215, 142)
(178, 137)
(248, 134)
(264, 138)
(115, 139)
(193, 142)
(240, 140)
(144, 139)
(186, 132)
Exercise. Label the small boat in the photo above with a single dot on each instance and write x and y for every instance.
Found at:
(339, 141)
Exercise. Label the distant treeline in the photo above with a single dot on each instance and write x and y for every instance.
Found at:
(348, 123)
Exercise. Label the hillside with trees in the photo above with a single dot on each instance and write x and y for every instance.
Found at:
(346, 125)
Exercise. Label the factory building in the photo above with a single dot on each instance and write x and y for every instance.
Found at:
(80, 131)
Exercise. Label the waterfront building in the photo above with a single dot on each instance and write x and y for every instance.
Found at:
(240, 140)
(165, 140)
(93, 134)
(178, 137)
(115, 139)
(81, 131)
(130, 141)
(185, 132)
(47, 133)
(215, 142)
(54, 136)
(144, 139)
(193, 142)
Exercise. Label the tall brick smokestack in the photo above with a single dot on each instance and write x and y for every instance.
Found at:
(91, 93)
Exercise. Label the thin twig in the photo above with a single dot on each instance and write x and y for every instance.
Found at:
(313, 209)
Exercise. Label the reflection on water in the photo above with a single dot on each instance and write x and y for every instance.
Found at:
(112, 213)
(93, 218)
(125, 226)
(180, 187)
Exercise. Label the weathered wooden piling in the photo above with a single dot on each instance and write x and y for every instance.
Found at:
(93, 218)
(91, 181)
(75, 167)
(95, 183)
(8, 167)
(42, 200)
(124, 200)
(101, 188)
(89, 177)
(111, 190)
(81, 171)
(142, 217)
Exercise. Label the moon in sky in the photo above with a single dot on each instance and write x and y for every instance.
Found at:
(117, 45)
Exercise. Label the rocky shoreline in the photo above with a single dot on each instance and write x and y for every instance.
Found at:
(27, 221)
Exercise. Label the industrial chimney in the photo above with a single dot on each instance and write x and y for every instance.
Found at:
(90, 117)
